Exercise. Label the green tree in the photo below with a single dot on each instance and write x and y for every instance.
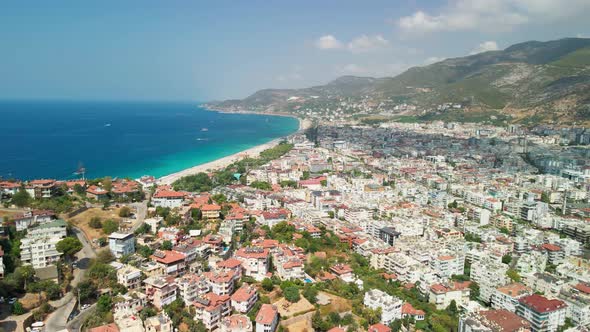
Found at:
(21, 198)
(506, 259)
(267, 284)
(125, 212)
(86, 290)
(104, 304)
(292, 294)
(310, 293)
(452, 308)
(513, 275)
(25, 274)
(78, 189)
(166, 245)
(474, 291)
(69, 247)
(110, 226)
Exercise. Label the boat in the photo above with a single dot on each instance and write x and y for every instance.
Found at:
(107, 125)
(204, 129)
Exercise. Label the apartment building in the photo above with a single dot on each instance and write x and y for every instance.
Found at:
(191, 286)
(267, 318)
(442, 295)
(544, 315)
(255, 261)
(493, 321)
(121, 244)
(160, 290)
(244, 298)
(506, 297)
(447, 265)
(38, 247)
(129, 276)
(211, 309)
(489, 274)
(391, 306)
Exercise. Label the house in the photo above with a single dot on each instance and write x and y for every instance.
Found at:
(26, 219)
(255, 261)
(244, 298)
(129, 276)
(211, 309)
(159, 323)
(44, 188)
(112, 327)
(543, 314)
(267, 318)
(171, 261)
(96, 192)
(291, 269)
(409, 311)
(121, 244)
(160, 291)
(378, 328)
(168, 198)
(493, 321)
(343, 271)
(391, 306)
(210, 211)
(447, 265)
(236, 323)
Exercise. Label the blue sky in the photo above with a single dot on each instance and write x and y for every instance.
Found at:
(197, 50)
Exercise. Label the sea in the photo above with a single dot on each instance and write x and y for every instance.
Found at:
(53, 139)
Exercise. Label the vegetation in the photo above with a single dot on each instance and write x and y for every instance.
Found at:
(110, 226)
(69, 247)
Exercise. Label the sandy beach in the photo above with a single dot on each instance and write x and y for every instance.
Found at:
(226, 161)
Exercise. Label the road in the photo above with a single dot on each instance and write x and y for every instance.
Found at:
(57, 320)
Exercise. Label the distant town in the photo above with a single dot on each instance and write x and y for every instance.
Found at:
(352, 225)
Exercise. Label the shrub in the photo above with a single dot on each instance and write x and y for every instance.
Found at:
(95, 223)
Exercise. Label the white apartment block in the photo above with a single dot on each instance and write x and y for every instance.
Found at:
(129, 276)
(506, 297)
(448, 264)
(121, 244)
(38, 247)
(391, 306)
(489, 275)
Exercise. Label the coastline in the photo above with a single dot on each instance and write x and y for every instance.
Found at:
(220, 163)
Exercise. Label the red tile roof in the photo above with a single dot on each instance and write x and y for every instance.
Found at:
(541, 304)
(266, 314)
(504, 321)
(244, 293)
(551, 247)
(169, 257)
(169, 194)
(379, 328)
(583, 288)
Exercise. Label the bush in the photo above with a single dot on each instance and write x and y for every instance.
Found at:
(110, 226)
(267, 284)
(292, 294)
(125, 212)
(95, 223)
(18, 309)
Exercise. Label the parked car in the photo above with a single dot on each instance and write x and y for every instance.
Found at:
(85, 306)
(12, 300)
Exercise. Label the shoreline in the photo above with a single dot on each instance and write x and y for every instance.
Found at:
(223, 162)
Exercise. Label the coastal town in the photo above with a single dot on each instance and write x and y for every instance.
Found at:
(343, 226)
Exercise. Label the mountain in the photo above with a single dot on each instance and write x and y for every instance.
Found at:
(530, 83)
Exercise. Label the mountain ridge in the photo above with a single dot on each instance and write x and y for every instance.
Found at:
(532, 82)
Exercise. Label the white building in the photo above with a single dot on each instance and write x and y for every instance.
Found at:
(391, 307)
(129, 276)
(488, 274)
(121, 244)
(168, 199)
(38, 247)
(267, 318)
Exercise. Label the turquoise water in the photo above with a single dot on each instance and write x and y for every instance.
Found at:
(50, 139)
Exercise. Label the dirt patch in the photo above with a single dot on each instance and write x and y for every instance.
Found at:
(81, 221)
(337, 303)
(288, 309)
(298, 324)
(7, 214)
(31, 301)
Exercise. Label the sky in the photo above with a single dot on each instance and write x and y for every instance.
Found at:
(213, 50)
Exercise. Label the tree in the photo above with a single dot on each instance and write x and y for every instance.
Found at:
(21, 198)
(104, 303)
(292, 294)
(107, 183)
(166, 245)
(78, 189)
(504, 230)
(86, 290)
(513, 275)
(452, 308)
(267, 284)
(474, 291)
(110, 226)
(125, 212)
(324, 183)
(25, 274)
(69, 247)
(18, 309)
(95, 223)
(310, 293)
(506, 259)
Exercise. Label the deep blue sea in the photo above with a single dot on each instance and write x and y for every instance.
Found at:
(50, 139)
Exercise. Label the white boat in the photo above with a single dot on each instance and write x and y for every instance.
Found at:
(204, 129)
